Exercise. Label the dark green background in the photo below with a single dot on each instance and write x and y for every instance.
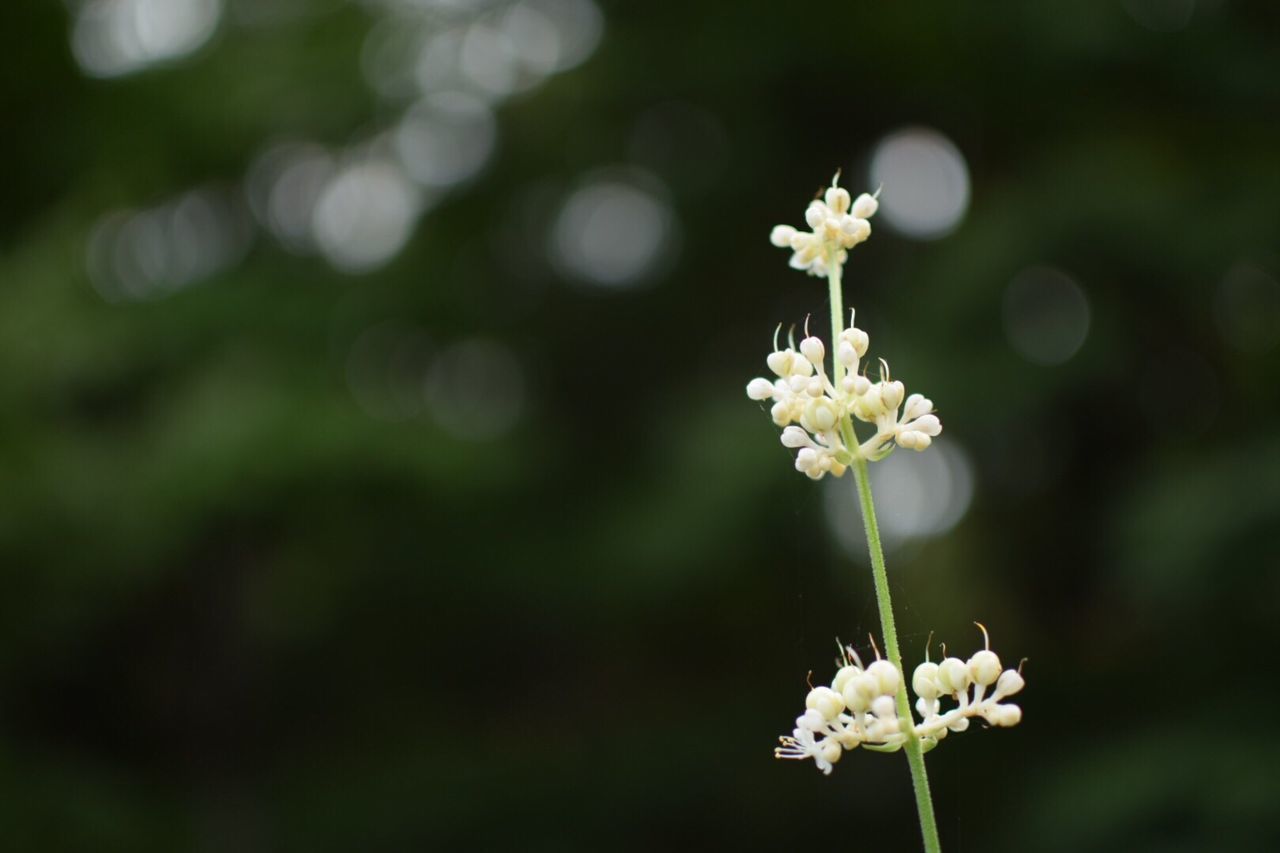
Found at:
(239, 613)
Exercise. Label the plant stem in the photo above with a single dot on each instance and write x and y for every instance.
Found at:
(913, 748)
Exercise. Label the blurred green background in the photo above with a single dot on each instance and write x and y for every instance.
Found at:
(376, 471)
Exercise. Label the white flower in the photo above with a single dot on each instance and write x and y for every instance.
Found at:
(815, 409)
(860, 707)
(836, 224)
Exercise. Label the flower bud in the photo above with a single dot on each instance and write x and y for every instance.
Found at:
(886, 676)
(861, 385)
(918, 405)
(865, 206)
(924, 681)
(859, 691)
(780, 361)
(813, 350)
(847, 355)
(959, 725)
(825, 701)
(781, 414)
(815, 215)
(842, 677)
(912, 440)
(781, 236)
(831, 750)
(984, 667)
(814, 387)
(892, 393)
(861, 231)
(1006, 715)
(820, 415)
(953, 676)
(794, 436)
(837, 199)
(1010, 683)
(811, 720)
(858, 338)
(883, 707)
(927, 424)
(759, 389)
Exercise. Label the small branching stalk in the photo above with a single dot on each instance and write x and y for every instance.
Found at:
(867, 706)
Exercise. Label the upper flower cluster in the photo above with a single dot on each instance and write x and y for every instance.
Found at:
(813, 408)
(858, 709)
(803, 393)
(837, 224)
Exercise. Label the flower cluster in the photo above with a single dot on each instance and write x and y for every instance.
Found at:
(860, 708)
(838, 224)
(802, 393)
(814, 409)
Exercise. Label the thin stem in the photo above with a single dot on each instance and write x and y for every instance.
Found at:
(912, 747)
(837, 316)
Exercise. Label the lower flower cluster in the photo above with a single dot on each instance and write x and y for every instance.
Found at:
(860, 707)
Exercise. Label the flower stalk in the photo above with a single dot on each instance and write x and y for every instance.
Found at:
(867, 706)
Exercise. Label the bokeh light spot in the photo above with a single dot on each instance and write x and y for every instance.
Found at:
(111, 38)
(476, 389)
(445, 139)
(364, 215)
(918, 496)
(1046, 315)
(924, 181)
(612, 233)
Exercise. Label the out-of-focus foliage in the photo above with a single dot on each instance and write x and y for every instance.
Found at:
(416, 504)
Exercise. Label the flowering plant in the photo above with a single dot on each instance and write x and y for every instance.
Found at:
(867, 705)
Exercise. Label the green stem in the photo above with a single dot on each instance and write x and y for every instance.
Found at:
(913, 747)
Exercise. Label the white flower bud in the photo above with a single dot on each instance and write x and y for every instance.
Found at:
(861, 231)
(759, 389)
(927, 424)
(883, 707)
(825, 701)
(782, 235)
(918, 405)
(780, 361)
(837, 199)
(794, 437)
(959, 725)
(811, 720)
(816, 214)
(892, 393)
(798, 384)
(820, 415)
(842, 677)
(924, 681)
(814, 387)
(865, 206)
(953, 675)
(847, 355)
(1006, 715)
(912, 440)
(781, 414)
(886, 675)
(813, 350)
(1010, 683)
(859, 691)
(831, 751)
(858, 338)
(861, 385)
(984, 667)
